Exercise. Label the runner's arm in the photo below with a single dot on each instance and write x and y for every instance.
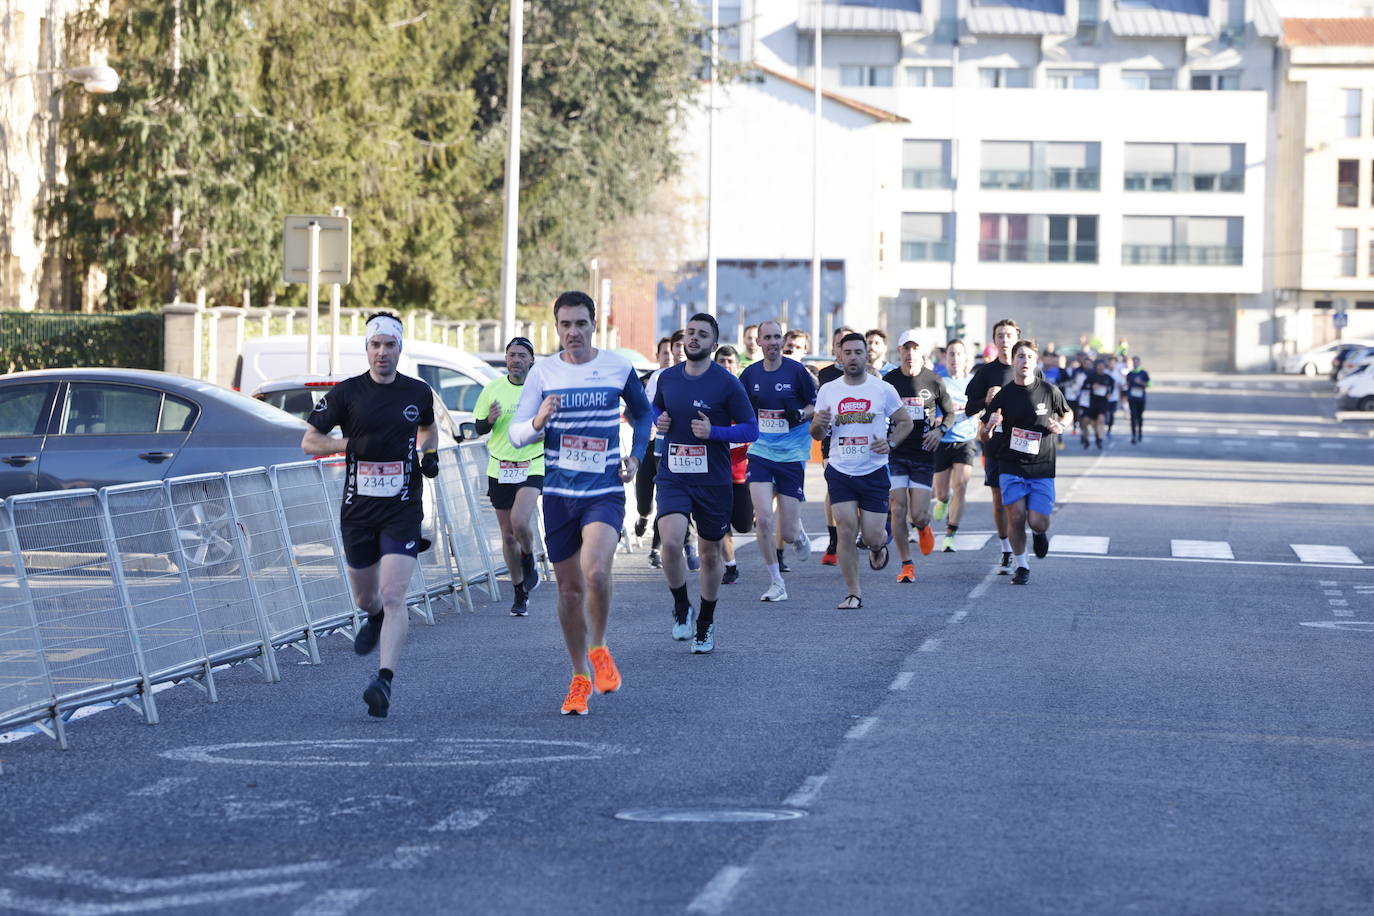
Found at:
(328, 413)
(317, 444)
(977, 393)
(900, 426)
(521, 431)
(480, 410)
(639, 412)
(746, 421)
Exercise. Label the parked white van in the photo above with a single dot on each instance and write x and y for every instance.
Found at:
(458, 377)
(1356, 391)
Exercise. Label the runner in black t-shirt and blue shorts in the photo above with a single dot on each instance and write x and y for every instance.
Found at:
(387, 419)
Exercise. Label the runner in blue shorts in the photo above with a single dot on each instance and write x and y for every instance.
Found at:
(1030, 412)
(863, 417)
(572, 400)
(784, 395)
(700, 408)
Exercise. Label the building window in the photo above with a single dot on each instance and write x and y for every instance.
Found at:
(1347, 182)
(938, 77)
(1037, 238)
(1346, 240)
(1072, 166)
(728, 21)
(1147, 79)
(925, 236)
(1040, 166)
(1185, 167)
(1006, 166)
(925, 164)
(1214, 79)
(865, 75)
(1189, 240)
(1350, 117)
(1151, 166)
(1071, 79)
(1088, 19)
(1004, 77)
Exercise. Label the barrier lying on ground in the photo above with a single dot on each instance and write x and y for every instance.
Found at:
(105, 594)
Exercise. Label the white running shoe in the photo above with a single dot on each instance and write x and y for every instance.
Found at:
(802, 546)
(776, 592)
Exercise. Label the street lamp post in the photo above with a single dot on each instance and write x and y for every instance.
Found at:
(510, 236)
(816, 192)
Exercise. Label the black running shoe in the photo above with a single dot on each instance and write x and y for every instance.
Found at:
(377, 696)
(530, 570)
(654, 560)
(1040, 542)
(365, 640)
(1006, 563)
(521, 606)
(1022, 576)
(731, 575)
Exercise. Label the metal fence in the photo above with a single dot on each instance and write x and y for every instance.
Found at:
(105, 594)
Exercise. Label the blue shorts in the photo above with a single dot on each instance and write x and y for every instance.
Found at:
(869, 490)
(708, 505)
(908, 473)
(787, 477)
(566, 516)
(1038, 492)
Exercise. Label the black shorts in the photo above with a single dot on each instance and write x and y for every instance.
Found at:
(948, 454)
(742, 512)
(991, 472)
(1095, 410)
(502, 495)
(364, 545)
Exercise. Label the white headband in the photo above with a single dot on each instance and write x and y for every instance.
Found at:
(384, 325)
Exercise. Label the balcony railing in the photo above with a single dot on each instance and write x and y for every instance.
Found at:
(1038, 252)
(1181, 254)
(925, 251)
(1054, 179)
(925, 178)
(1230, 182)
(1347, 195)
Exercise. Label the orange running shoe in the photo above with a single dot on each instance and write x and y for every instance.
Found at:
(830, 559)
(926, 539)
(908, 573)
(604, 669)
(578, 691)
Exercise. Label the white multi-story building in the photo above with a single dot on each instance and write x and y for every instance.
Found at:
(1323, 213)
(1084, 166)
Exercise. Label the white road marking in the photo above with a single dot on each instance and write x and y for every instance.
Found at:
(334, 902)
(1338, 602)
(1078, 543)
(145, 885)
(1325, 553)
(807, 792)
(1308, 434)
(958, 616)
(902, 681)
(1211, 550)
(1265, 385)
(379, 752)
(513, 786)
(861, 728)
(462, 820)
(12, 901)
(1291, 386)
(1341, 612)
(1232, 443)
(1187, 429)
(406, 857)
(970, 541)
(1328, 584)
(162, 787)
(1332, 445)
(1266, 432)
(982, 587)
(1220, 431)
(715, 896)
(930, 645)
(82, 822)
(1282, 444)
(1189, 441)
(1333, 591)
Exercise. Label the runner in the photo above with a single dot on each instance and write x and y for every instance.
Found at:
(675, 351)
(826, 375)
(1098, 389)
(572, 400)
(878, 363)
(986, 382)
(863, 418)
(1137, 380)
(386, 419)
(911, 465)
(956, 452)
(648, 468)
(784, 394)
(1029, 413)
(1118, 374)
(699, 409)
(514, 475)
(751, 353)
(742, 509)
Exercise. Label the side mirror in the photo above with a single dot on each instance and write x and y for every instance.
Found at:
(468, 430)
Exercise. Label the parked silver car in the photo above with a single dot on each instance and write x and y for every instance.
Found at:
(64, 428)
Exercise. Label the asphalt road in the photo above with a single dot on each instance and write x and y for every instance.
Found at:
(1149, 726)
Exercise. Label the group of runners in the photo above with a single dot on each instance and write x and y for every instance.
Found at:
(731, 435)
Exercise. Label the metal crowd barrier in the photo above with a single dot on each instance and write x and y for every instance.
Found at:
(105, 594)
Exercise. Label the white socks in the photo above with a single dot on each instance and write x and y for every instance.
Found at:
(1006, 545)
(774, 573)
(1022, 561)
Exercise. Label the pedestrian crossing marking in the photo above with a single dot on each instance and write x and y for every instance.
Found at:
(1201, 550)
(1291, 386)
(1266, 432)
(1308, 434)
(1325, 553)
(970, 541)
(1077, 543)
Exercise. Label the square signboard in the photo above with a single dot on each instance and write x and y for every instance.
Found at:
(336, 247)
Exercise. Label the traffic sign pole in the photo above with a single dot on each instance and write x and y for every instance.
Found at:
(312, 296)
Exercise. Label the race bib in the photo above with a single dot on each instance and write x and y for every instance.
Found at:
(852, 446)
(772, 421)
(1137, 392)
(686, 459)
(1099, 391)
(1026, 441)
(582, 454)
(381, 478)
(915, 407)
(514, 472)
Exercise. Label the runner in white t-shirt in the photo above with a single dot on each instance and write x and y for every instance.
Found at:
(863, 417)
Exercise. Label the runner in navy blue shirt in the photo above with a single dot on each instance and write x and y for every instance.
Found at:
(1137, 380)
(700, 409)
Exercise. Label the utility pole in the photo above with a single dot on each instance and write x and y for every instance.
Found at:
(816, 191)
(711, 161)
(511, 237)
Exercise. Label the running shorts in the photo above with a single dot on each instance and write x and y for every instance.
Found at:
(948, 454)
(911, 473)
(1038, 492)
(566, 516)
(709, 506)
(869, 490)
(364, 546)
(787, 477)
(502, 495)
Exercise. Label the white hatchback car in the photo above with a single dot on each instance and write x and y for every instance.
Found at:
(1317, 361)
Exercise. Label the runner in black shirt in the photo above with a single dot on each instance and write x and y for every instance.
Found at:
(990, 378)
(386, 418)
(1101, 389)
(1029, 414)
(1137, 380)
(911, 464)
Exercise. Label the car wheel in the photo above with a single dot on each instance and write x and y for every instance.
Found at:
(1309, 369)
(206, 532)
(1367, 402)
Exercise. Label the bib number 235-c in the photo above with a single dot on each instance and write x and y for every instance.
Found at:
(582, 454)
